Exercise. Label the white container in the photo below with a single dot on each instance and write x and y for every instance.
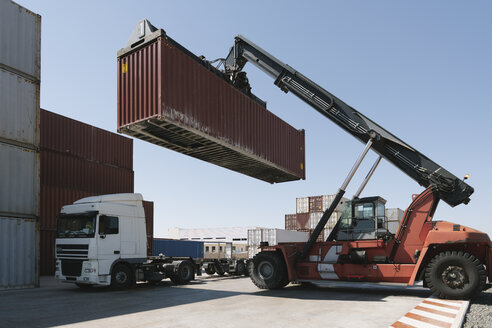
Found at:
(19, 181)
(18, 253)
(314, 218)
(392, 226)
(327, 199)
(20, 40)
(273, 237)
(19, 109)
(302, 205)
(394, 214)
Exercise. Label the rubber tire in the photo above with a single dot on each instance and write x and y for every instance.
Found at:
(473, 268)
(125, 270)
(240, 268)
(84, 286)
(278, 278)
(219, 270)
(185, 273)
(210, 270)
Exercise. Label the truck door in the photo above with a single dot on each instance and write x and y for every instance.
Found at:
(108, 243)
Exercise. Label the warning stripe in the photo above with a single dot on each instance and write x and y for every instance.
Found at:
(434, 313)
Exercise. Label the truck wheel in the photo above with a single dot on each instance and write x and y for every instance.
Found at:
(184, 273)
(84, 286)
(219, 269)
(240, 268)
(455, 275)
(210, 270)
(121, 277)
(268, 271)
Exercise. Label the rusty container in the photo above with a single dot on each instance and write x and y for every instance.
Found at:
(149, 225)
(316, 204)
(77, 160)
(174, 99)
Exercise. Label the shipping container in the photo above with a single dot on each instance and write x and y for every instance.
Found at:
(394, 214)
(316, 204)
(19, 104)
(20, 40)
(19, 176)
(178, 248)
(172, 98)
(314, 218)
(18, 253)
(47, 251)
(302, 220)
(302, 205)
(70, 137)
(291, 221)
(68, 172)
(149, 225)
(273, 237)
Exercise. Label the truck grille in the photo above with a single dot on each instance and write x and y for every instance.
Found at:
(72, 251)
(71, 267)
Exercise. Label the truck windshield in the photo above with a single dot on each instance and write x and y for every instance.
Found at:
(76, 225)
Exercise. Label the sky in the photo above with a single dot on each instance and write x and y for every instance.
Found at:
(421, 69)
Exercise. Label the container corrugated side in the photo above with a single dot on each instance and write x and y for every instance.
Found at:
(71, 137)
(316, 204)
(19, 103)
(19, 181)
(179, 248)
(149, 225)
(170, 98)
(68, 172)
(302, 205)
(18, 253)
(20, 39)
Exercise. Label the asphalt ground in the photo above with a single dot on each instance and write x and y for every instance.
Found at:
(209, 301)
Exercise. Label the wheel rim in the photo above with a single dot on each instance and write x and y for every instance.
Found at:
(265, 270)
(121, 277)
(454, 277)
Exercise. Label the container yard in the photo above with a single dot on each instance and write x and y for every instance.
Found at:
(80, 245)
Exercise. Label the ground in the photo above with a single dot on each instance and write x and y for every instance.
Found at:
(208, 302)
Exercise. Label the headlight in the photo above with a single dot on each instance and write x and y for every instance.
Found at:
(89, 270)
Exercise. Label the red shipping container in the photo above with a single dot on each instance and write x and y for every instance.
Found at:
(149, 225)
(316, 204)
(291, 222)
(170, 97)
(65, 135)
(302, 220)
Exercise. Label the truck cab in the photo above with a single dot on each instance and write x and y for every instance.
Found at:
(96, 233)
(363, 218)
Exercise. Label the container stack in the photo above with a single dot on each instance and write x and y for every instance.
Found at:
(273, 237)
(393, 219)
(309, 211)
(78, 160)
(20, 38)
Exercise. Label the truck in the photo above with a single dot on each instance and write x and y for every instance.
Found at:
(101, 240)
(451, 259)
(221, 261)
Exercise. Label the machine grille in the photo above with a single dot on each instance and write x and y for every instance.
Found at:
(71, 268)
(76, 251)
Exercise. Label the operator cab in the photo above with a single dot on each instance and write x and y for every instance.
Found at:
(362, 218)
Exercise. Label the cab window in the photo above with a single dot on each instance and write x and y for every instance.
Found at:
(364, 211)
(108, 225)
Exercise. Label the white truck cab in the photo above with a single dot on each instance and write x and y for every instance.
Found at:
(96, 233)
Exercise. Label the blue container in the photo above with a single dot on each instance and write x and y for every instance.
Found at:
(178, 248)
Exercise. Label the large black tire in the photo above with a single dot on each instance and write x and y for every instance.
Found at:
(121, 277)
(268, 271)
(240, 268)
(455, 275)
(84, 286)
(210, 270)
(219, 269)
(185, 273)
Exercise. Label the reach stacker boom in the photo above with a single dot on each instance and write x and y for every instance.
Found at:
(453, 260)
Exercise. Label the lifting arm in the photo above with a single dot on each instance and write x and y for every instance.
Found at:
(419, 167)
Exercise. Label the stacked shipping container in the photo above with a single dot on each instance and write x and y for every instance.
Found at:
(20, 36)
(272, 237)
(309, 211)
(77, 161)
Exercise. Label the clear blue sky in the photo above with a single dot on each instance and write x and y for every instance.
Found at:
(422, 69)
